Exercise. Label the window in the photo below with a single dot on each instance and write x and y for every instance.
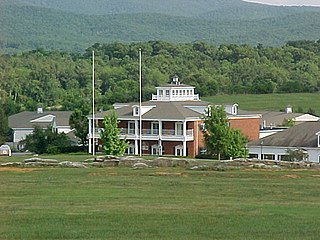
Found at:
(136, 111)
(253, 155)
(167, 92)
(203, 151)
(155, 128)
(268, 157)
(131, 128)
(160, 92)
(179, 128)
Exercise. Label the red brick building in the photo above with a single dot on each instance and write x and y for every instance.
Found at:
(171, 122)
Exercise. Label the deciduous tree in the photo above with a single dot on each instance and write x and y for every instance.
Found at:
(220, 139)
(79, 122)
(112, 144)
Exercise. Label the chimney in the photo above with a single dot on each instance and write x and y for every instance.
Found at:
(289, 109)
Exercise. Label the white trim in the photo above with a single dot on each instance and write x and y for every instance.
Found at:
(152, 127)
(44, 119)
(180, 148)
(177, 129)
(132, 131)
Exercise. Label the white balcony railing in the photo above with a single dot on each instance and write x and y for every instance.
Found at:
(155, 132)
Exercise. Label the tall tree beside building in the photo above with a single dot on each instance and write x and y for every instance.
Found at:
(3, 126)
(78, 121)
(221, 140)
(112, 144)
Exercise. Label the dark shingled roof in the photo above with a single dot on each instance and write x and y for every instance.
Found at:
(162, 110)
(301, 135)
(23, 119)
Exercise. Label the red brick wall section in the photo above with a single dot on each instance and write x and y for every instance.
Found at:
(191, 149)
(123, 124)
(200, 137)
(149, 144)
(249, 127)
(168, 125)
(168, 147)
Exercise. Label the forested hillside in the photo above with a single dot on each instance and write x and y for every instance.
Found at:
(74, 25)
(61, 80)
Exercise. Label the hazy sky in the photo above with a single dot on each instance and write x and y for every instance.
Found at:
(288, 2)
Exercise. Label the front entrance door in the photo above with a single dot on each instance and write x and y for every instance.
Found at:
(155, 150)
(179, 150)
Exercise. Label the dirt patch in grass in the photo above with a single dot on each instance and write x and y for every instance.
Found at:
(98, 174)
(291, 176)
(169, 174)
(15, 169)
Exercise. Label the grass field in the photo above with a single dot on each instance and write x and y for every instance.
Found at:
(270, 102)
(160, 203)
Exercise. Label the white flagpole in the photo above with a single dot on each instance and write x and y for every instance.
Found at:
(140, 103)
(93, 117)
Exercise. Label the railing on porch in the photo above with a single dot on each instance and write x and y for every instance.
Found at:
(155, 132)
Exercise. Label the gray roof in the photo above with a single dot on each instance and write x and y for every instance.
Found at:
(273, 118)
(172, 110)
(301, 135)
(23, 119)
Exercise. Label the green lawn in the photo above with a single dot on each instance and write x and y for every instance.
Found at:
(161, 203)
(275, 102)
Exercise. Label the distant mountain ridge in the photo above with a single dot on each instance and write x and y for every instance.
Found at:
(74, 25)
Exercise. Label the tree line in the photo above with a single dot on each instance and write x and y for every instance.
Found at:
(62, 81)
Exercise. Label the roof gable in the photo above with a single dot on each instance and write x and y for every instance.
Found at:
(47, 118)
(28, 119)
(306, 118)
(301, 135)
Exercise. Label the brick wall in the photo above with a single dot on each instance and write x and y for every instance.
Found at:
(249, 127)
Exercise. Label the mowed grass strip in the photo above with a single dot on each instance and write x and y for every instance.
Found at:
(270, 102)
(168, 203)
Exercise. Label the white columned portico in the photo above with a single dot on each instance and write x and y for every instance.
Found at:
(160, 138)
(184, 138)
(136, 133)
(90, 136)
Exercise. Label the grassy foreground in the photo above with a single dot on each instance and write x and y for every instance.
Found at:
(162, 203)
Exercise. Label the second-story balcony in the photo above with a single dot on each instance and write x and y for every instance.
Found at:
(154, 134)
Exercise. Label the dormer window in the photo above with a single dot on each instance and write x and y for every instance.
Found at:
(235, 109)
(136, 111)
